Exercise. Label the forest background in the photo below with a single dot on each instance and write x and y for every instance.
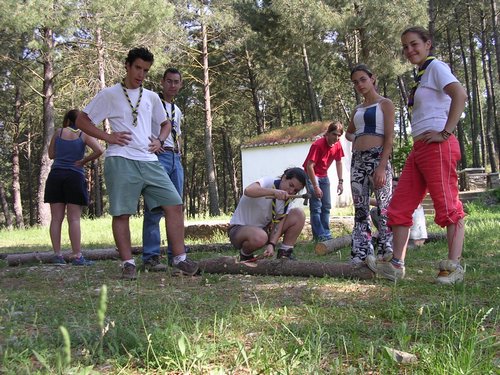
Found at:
(249, 67)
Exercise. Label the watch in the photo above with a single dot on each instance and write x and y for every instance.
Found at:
(161, 142)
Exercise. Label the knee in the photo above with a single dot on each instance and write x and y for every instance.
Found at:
(315, 207)
(297, 215)
(72, 221)
(57, 220)
(448, 219)
(258, 240)
(121, 219)
(173, 210)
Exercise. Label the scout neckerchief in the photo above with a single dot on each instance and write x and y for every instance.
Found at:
(418, 77)
(136, 108)
(278, 217)
(72, 127)
(172, 119)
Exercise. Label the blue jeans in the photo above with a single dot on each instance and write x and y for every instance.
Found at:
(151, 238)
(320, 209)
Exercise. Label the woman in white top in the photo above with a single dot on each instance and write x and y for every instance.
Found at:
(436, 102)
(371, 130)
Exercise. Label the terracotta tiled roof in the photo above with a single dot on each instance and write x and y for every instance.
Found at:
(294, 134)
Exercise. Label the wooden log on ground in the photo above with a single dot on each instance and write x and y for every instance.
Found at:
(47, 256)
(433, 237)
(323, 248)
(284, 267)
(98, 254)
(326, 247)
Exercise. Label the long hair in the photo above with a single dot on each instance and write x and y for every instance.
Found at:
(70, 118)
(422, 32)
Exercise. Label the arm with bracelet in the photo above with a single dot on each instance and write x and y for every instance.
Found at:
(340, 187)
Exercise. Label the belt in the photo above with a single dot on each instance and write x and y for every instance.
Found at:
(171, 149)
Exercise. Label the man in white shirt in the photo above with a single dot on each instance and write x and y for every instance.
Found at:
(138, 120)
(170, 158)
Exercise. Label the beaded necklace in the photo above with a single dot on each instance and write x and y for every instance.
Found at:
(135, 109)
(172, 118)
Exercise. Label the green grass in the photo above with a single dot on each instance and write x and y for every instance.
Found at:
(86, 320)
(96, 234)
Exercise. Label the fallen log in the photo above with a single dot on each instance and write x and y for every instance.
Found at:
(433, 237)
(284, 267)
(325, 247)
(99, 254)
(47, 256)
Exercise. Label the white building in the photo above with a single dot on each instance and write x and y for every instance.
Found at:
(271, 153)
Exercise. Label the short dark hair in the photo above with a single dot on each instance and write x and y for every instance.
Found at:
(139, 53)
(297, 173)
(361, 68)
(335, 126)
(172, 71)
(70, 117)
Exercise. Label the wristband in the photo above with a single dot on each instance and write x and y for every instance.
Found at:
(272, 244)
(161, 142)
(445, 134)
(341, 181)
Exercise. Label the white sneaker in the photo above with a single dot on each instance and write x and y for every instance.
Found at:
(450, 272)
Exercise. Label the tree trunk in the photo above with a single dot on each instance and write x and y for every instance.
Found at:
(259, 116)
(467, 85)
(233, 179)
(284, 267)
(431, 9)
(225, 172)
(48, 123)
(18, 259)
(5, 207)
(326, 247)
(30, 177)
(475, 126)
(460, 129)
(191, 191)
(489, 97)
(404, 98)
(404, 114)
(345, 110)
(209, 150)
(362, 41)
(16, 179)
(496, 38)
(97, 165)
(313, 105)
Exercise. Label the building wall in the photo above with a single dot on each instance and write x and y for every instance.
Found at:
(257, 162)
